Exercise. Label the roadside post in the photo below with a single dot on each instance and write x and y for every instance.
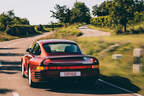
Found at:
(117, 57)
(137, 62)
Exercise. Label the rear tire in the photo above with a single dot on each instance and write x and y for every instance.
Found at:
(22, 70)
(31, 83)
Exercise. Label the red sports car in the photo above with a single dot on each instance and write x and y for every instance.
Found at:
(58, 59)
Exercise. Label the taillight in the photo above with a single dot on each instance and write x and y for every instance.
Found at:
(46, 68)
(95, 66)
(40, 68)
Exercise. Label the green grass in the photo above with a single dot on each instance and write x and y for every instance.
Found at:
(109, 67)
(71, 32)
(136, 28)
(6, 37)
(131, 28)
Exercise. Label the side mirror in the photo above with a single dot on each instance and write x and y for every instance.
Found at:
(28, 50)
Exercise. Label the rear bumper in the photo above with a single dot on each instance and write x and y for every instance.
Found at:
(40, 76)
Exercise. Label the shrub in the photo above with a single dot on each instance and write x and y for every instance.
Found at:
(53, 25)
(119, 31)
(106, 21)
(101, 21)
(139, 16)
(39, 28)
(21, 30)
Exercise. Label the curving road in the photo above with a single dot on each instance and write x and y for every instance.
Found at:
(91, 32)
(12, 84)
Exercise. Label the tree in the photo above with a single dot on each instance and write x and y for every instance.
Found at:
(139, 5)
(102, 9)
(95, 10)
(11, 14)
(9, 18)
(122, 11)
(4, 21)
(80, 13)
(62, 13)
(20, 21)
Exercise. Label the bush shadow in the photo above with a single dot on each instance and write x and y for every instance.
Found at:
(8, 67)
(4, 91)
(7, 48)
(10, 63)
(11, 54)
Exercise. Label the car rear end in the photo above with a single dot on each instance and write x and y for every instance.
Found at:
(67, 67)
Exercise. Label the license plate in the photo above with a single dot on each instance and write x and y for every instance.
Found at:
(69, 74)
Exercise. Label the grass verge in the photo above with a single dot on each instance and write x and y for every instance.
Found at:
(123, 67)
(131, 29)
(6, 37)
(71, 32)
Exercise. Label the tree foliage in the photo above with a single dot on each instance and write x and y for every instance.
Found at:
(103, 9)
(122, 11)
(39, 28)
(79, 13)
(9, 18)
(4, 21)
(62, 13)
(139, 5)
(102, 21)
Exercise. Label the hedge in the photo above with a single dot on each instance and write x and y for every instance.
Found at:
(39, 28)
(106, 21)
(19, 30)
(53, 25)
(101, 21)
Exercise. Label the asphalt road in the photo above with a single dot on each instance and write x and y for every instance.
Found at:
(12, 83)
(91, 32)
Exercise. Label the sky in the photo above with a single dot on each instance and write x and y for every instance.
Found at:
(38, 11)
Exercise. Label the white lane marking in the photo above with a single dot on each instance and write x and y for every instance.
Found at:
(110, 84)
(15, 94)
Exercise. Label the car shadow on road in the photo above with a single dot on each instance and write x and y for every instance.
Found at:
(98, 88)
(4, 91)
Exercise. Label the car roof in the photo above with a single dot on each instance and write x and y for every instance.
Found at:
(55, 41)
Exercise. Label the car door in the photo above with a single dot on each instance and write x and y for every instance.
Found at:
(33, 54)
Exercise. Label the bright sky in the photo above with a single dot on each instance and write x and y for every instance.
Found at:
(38, 11)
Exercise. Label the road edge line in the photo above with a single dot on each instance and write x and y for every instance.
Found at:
(110, 84)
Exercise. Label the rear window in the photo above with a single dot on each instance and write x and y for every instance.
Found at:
(61, 48)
